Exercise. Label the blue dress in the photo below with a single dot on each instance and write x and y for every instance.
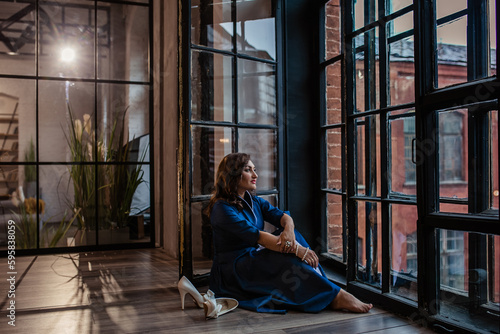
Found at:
(262, 280)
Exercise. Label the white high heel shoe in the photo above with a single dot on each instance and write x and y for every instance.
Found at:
(215, 307)
(186, 287)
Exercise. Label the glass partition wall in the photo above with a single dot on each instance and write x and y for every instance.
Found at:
(234, 106)
(75, 117)
(410, 155)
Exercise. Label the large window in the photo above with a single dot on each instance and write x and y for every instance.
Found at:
(234, 106)
(410, 153)
(75, 122)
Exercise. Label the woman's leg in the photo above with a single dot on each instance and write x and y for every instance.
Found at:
(345, 301)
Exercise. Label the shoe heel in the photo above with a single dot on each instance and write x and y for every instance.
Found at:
(183, 296)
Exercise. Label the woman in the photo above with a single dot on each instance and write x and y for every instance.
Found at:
(265, 272)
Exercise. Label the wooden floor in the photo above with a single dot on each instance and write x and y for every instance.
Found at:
(135, 291)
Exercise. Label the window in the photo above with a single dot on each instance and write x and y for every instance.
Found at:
(234, 105)
(417, 118)
(76, 119)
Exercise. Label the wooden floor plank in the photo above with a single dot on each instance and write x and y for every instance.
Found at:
(135, 291)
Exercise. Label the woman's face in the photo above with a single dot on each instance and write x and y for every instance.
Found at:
(248, 180)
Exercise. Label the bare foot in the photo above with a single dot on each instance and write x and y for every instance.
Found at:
(346, 301)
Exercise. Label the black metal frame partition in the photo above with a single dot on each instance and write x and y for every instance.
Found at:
(95, 164)
(186, 122)
(479, 94)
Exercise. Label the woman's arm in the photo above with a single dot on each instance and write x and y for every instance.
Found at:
(270, 241)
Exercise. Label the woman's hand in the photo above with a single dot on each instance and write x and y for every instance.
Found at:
(287, 241)
(308, 256)
(287, 237)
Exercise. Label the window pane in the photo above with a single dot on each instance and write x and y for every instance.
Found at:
(123, 43)
(369, 243)
(401, 72)
(261, 145)
(469, 278)
(17, 50)
(211, 87)
(67, 38)
(453, 157)
(334, 93)
(211, 24)
(123, 113)
(360, 19)
(201, 239)
(256, 29)
(445, 7)
(453, 259)
(17, 120)
(494, 158)
(403, 177)
(210, 145)
(452, 52)
(368, 156)
(335, 232)
(332, 29)
(256, 92)
(64, 137)
(404, 250)
(121, 202)
(493, 37)
(367, 71)
(334, 158)
(395, 5)
(64, 194)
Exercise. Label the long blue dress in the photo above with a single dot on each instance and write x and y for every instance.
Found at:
(260, 279)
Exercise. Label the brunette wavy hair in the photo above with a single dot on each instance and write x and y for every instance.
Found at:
(227, 179)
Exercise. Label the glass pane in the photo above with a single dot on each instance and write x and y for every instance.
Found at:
(404, 250)
(453, 157)
(452, 52)
(360, 18)
(446, 7)
(17, 120)
(261, 145)
(123, 198)
(66, 111)
(369, 243)
(401, 24)
(493, 37)
(368, 156)
(360, 157)
(395, 5)
(67, 38)
(70, 211)
(403, 177)
(494, 158)
(401, 72)
(211, 87)
(123, 116)
(334, 216)
(123, 42)
(453, 259)
(334, 93)
(495, 268)
(210, 145)
(334, 158)
(256, 28)
(256, 92)
(332, 29)
(469, 279)
(211, 24)
(201, 239)
(273, 199)
(367, 71)
(17, 49)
